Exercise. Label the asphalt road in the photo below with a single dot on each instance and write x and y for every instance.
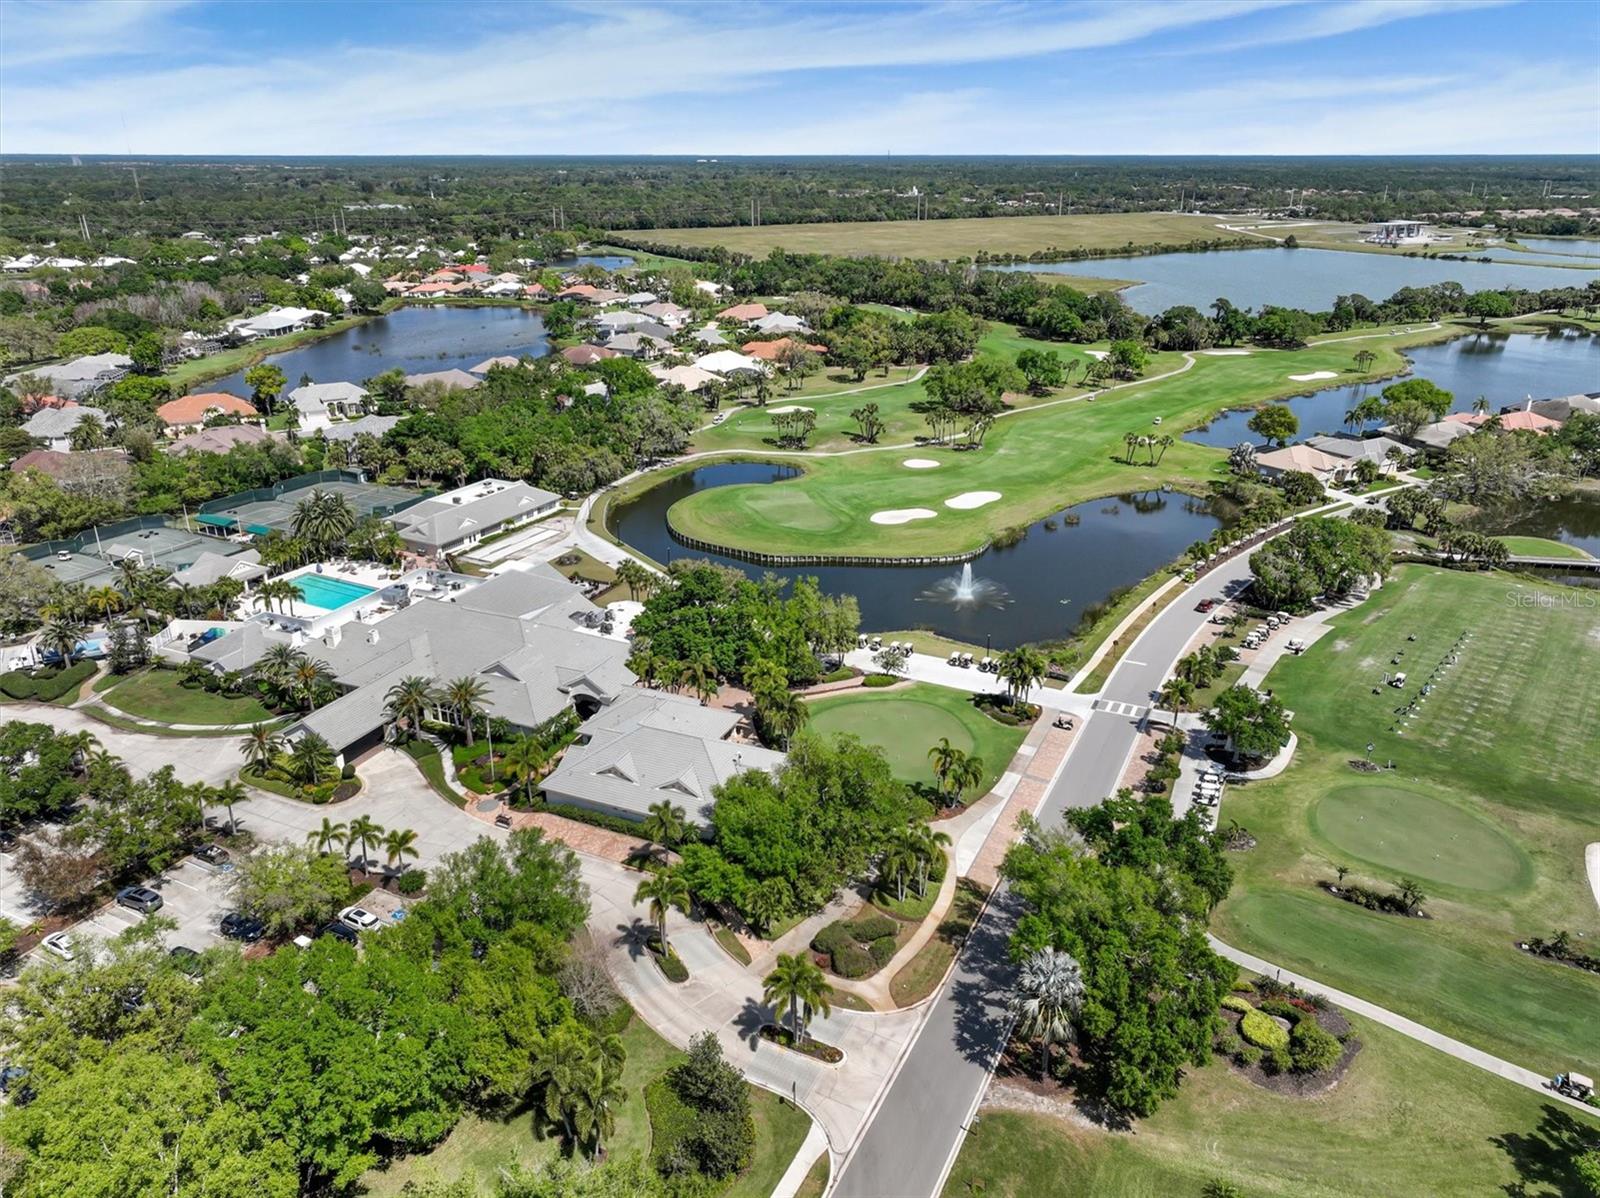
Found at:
(920, 1123)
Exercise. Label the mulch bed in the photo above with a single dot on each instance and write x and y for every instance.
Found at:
(1300, 1085)
(813, 1048)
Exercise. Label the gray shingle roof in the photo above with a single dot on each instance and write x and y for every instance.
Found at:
(59, 422)
(437, 523)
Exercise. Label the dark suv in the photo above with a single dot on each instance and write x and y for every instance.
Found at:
(212, 854)
(236, 925)
(341, 931)
(139, 898)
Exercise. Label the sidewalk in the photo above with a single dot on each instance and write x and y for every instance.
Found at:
(924, 667)
(1049, 746)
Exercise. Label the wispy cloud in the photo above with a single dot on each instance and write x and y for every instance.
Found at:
(35, 32)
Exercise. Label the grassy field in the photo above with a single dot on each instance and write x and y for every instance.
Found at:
(1541, 547)
(478, 1149)
(833, 397)
(907, 723)
(961, 238)
(1404, 1120)
(1039, 460)
(158, 695)
(918, 977)
(1489, 808)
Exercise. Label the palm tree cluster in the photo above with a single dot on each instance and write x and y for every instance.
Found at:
(798, 984)
(1023, 668)
(1204, 666)
(1155, 446)
(294, 678)
(641, 581)
(909, 856)
(397, 843)
(308, 761)
(322, 523)
(580, 1078)
(955, 771)
(698, 676)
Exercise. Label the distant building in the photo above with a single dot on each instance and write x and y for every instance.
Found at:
(1325, 468)
(224, 438)
(55, 426)
(457, 519)
(190, 412)
(449, 378)
(318, 404)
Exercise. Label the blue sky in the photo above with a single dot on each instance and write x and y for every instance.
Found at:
(1184, 76)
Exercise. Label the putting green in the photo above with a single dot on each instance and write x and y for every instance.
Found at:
(1423, 837)
(905, 724)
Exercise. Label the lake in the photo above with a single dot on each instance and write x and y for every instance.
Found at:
(1571, 247)
(603, 261)
(1301, 278)
(412, 339)
(1504, 369)
(1036, 589)
(1573, 519)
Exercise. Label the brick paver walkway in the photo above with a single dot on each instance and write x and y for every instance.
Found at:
(1049, 745)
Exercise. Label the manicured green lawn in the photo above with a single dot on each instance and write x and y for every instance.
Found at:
(479, 1148)
(1541, 547)
(1405, 1120)
(1040, 460)
(833, 396)
(158, 695)
(907, 723)
(1489, 807)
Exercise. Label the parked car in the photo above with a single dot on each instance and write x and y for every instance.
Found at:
(58, 944)
(340, 931)
(140, 898)
(213, 855)
(236, 925)
(359, 919)
(1205, 605)
(186, 959)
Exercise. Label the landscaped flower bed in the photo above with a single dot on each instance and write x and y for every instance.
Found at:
(857, 948)
(669, 963)
(1307, 1057)
(811, 1047)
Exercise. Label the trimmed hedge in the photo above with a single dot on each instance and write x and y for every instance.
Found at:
(1259, 1029)
(611, 823)
(413, 881)
(1233, 1002)
(46, 685)
(859, 947)
(876, 680)
(670, 964)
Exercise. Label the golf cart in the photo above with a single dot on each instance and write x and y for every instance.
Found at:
(1573, 1085)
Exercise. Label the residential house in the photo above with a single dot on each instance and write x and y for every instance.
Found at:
(55, 426)
(319, 404)
(488, 364)
(1567, 406)
(211, 568)
(710, 336)
(637, 345)
(743, 313)
(587, 355)
(1379, 450)
(371, 426)
(781, 322)
(726, 362)
(190, 412)
(91, 471)
(611, 323)
(224, 438)
(448, 378)
(1516, 420)
(461, 518)
(667, 313)
(1324, 467)
(772, 351)
(1435, 438)
(79, 377)
(640, 298)
(274, 323)
(649, 747)
(690, 378)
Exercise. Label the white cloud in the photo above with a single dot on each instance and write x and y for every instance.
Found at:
(35, 32)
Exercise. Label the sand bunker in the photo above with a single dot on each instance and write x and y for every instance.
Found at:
(1096, 353)
(794, 407)
(920, 464)
(904, 515)
(1314, 376)
(971, 499)
(1224, 353)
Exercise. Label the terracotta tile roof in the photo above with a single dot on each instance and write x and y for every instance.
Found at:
(743, 312)
(192, 409)
(587, 355)
(1521, 420)
(769, 351)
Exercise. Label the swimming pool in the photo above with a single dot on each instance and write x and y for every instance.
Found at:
(329, 594)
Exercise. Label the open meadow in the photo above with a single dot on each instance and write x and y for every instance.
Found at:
(958, 238)
(1488, 809)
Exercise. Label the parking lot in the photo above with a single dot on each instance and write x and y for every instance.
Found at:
(193, 895)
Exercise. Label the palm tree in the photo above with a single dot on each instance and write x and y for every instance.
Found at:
(900, 860)
(323, 521)
(310, 759)
(964, 775)
(105, 601)
(594, 1106)
(765, 902)
(782, 714)
(663, 891)
(1410, 894)
(1022, 668)
(636, 577)
(362, 833)
(398, 844)
(944, 756)
(1176, 694)
(1047, 998)
(1162, 444)
(278, 662)
(309, 676)
(63, 634)
(326, 837)
(410, 700)
(524, 758)
(665, 825)
(466, 695)
(1130, 441)
(700, 676)
(565, 1064)
(929, 845)
(797, 982)
(226, 795)
(261, 746)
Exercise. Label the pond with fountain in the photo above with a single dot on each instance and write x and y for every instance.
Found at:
(1033, 588)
